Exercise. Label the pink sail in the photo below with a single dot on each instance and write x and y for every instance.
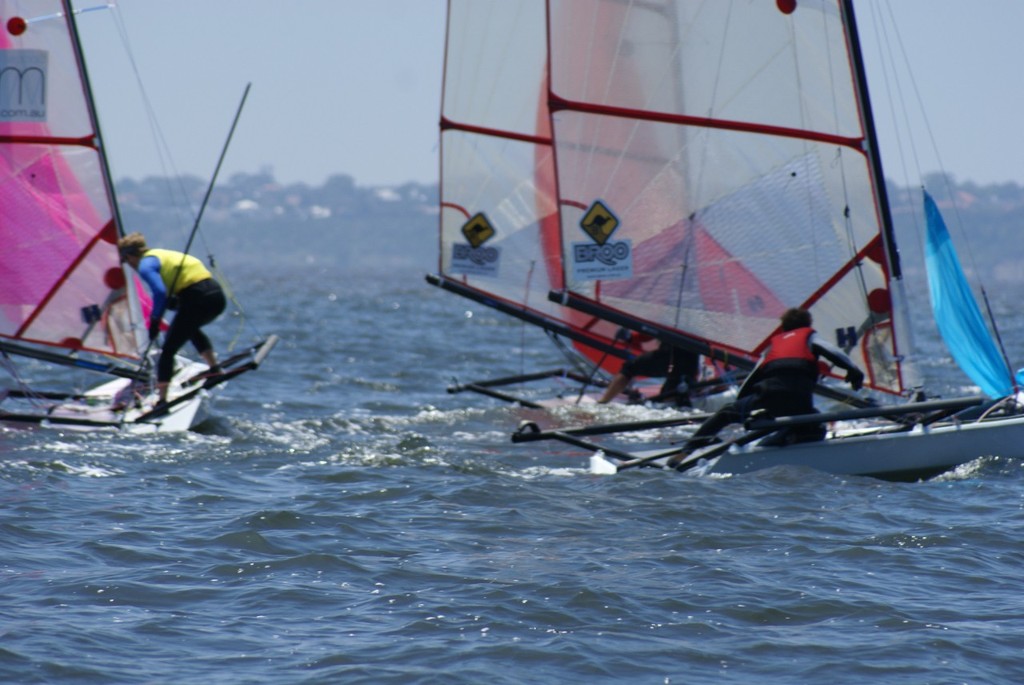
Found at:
(63, 284)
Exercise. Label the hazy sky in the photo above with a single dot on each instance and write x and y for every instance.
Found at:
(353, 86)
(338, 86)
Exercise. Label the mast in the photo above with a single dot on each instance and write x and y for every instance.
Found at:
(900, 310)
(871, 139)
(97, 142)
(134, 305)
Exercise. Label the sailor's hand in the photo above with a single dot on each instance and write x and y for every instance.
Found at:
(154, 329)
(855, 377)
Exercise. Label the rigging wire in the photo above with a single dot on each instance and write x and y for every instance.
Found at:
(11, 369)
(169, 172)
(909, 140)
(172, 178)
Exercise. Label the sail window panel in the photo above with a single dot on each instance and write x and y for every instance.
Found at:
(509, 183)
(76, 310)
(842, 316)
(609, 52)
(52, 193)
(85, 309)
(495, 66)
(742, 62)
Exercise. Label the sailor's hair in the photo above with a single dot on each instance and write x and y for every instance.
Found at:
(132, 244)
(795, 318)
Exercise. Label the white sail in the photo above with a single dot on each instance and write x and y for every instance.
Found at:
(726, 145)
(499, 229)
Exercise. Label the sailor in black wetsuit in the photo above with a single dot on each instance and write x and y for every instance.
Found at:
(677, 366)
(200, 300)
(782, 383)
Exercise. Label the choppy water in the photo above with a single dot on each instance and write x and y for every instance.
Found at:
(343, 519)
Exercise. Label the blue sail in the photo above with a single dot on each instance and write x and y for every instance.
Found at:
(956, 311)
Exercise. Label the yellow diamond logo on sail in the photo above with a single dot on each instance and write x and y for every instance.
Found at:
(599, 222)
(478, 230)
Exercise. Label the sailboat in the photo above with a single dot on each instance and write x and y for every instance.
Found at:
(729, 151)
(67, 302)
(500, 240)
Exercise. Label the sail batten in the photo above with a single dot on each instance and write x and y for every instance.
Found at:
(87, 141)
(497, 133)
(559, 104)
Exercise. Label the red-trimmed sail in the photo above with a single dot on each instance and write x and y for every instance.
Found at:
(499, 228)
(712, 171)
(62, 283)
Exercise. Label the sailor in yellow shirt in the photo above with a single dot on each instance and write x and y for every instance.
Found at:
(170, 274)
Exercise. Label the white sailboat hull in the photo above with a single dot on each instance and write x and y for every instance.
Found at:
(79, 417)
(118, 405)
(920, 453)
(894, 456)
(121, 404)
(184, 415)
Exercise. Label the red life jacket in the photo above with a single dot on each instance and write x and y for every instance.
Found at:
(791, 351)
(793, 344)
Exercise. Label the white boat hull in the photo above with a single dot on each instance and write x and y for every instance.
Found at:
(920, 453)
(123, 404)
(117, 405)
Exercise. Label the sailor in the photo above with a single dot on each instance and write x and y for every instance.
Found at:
(176, 280)
(782, 384)
(679, 368)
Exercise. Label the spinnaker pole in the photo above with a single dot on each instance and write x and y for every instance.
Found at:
(216, 171)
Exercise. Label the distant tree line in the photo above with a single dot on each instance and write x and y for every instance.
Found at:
(252, 217)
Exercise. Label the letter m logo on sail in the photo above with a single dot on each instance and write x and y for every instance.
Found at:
(846, 338)
(23, 76)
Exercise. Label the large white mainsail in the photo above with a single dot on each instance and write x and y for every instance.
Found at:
(722, 148)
